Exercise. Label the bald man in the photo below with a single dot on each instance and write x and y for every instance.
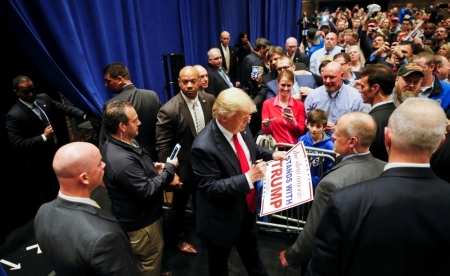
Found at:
(75, 235)
(398, 223)
(355, 132)
(229, 56)
(335, 97)
(293, 52)
(203, 78)
(179, 122)
(329, 49)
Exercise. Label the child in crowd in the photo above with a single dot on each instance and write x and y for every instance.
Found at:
(316, 137)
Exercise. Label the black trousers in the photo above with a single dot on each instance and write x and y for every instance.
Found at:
(179, 202)
(247, 247)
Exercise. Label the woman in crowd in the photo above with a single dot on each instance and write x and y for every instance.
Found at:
(244, 47)
(283, 116)
(356, 57)
(444, 50)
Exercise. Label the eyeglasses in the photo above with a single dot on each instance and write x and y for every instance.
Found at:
(283, 68)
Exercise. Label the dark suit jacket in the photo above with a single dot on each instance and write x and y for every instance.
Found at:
(299, 57)
(216, 83)
(346, 173)
(381, 116)
(146, 103)
(176, 125)
(221, 202)
(25, 131)
(396, 224)
(79, 239)
(233, 71)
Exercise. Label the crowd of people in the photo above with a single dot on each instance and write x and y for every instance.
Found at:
(372, 88)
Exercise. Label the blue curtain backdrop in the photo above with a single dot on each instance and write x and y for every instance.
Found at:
(71, 41)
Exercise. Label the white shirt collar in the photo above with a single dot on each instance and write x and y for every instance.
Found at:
(403, 164)
(85, 200)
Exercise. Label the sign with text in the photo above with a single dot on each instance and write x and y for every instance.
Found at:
(287, 182)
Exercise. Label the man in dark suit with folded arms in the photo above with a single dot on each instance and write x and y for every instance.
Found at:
(229, 58)
(32, 132)
(398, 223)
(223, 158)
(75, 235)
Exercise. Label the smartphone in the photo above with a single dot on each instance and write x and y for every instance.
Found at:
(443, 6)
(287, 110)
(175, 152)
(304, 32)
(271, 120)
(255, 72)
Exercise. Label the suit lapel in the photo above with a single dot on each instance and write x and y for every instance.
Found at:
(30, 113)
(249, 141)
(206, 105)
(187, 114)
(224, 146)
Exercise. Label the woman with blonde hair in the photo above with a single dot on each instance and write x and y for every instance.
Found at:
(444, 50)
(356, 57)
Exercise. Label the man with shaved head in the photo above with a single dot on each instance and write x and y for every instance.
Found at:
(179, 122)
(335, 97)
(355, 132)
(293, 52)
(203, 77)
(397, 223)
(229, 58)
(326, 53)
(75, 235)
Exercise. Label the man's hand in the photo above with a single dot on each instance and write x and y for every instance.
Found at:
(283, 259)
(257, 171)
(176, 183)
(279, 155)
(304, 90)
(173, 161)
(418, 42)
(48, 132)
(329, 127)
(94, 120)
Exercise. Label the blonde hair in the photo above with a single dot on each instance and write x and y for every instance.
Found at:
(231, 101)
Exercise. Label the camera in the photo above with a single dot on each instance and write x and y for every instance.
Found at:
(375, 29)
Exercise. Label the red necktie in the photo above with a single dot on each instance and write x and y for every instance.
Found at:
(251, 197)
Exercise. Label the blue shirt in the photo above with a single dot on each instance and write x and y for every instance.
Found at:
(346, 100)
(320, 55)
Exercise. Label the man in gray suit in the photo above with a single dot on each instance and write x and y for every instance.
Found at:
(75, 235)
(355, 132)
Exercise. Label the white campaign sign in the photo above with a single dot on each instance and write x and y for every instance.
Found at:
(287, 182)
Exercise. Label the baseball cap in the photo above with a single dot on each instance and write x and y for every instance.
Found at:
(314, 35)
(325, 26)
(395, 19)
(410, 68)
(372, 24)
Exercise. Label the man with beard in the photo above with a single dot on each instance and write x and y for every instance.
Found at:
(333, 94)
(431, 86)
(440, 36)
(407, 85)
(429, 30)
(327, 52)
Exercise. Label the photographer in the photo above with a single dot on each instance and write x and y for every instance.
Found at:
(368, 47)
